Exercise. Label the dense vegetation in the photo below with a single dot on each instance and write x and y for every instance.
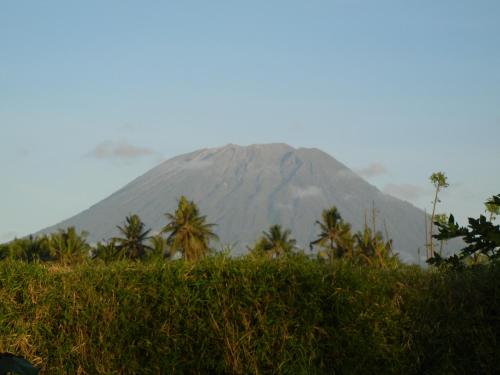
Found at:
(250, 315)
(125, 306)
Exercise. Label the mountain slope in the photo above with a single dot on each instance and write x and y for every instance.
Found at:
(246, 189)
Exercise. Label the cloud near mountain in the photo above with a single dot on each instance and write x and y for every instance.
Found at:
(119, 150)
(308, 191)
(404, 191)
(374, 169)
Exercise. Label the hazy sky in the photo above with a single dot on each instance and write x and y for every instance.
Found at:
(94, 93)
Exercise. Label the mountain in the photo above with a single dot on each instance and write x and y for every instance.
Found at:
(246, 189)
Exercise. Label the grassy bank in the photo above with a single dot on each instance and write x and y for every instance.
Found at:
(220, 315)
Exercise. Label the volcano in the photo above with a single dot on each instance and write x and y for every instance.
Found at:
(245, 189)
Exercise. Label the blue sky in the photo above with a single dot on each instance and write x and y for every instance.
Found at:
(94, 93)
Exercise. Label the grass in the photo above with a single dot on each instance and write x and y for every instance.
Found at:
(240, 316)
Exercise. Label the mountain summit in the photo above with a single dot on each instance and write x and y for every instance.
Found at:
(245, 189)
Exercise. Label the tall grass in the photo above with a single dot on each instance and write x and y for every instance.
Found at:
(240, 316)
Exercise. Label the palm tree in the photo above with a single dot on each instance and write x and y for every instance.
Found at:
(276, 242)
(131, 245)
(29, 249)
(159, 245)
(335, 235)
(189, 232)
(69, 247)
(107, 252)
(371, 247)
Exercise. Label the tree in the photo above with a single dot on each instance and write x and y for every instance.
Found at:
(335, 234)
(439, 180)
(69, 247)
(4, 251)
(132, 245)
(107, 252)
(159, 248)
(481, 236)
(441, 219)
(370, 247)
(276, 242)
(188, 231)
(492, 209)
(30, 249)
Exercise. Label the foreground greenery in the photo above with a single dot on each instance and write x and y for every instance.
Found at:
(125, 306)
(290, 315)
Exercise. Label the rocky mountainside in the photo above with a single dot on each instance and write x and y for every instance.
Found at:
(246, 189)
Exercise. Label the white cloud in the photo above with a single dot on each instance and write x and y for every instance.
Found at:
(404, 191)
(119, 150)
(196, 164)
(374, 169)
(308, 191)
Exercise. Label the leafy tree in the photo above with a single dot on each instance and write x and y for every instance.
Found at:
(481, 236)
(492, 208)
(159, 248)
(30, 249)
(188, 231)
(439, 180)
(276, 242)
(69, 247)
(107, 252)
(134, 235)
(441, 219)
(371, 248)
(335, 236)
(4, 251)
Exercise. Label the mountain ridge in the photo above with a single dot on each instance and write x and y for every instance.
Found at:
(245, 189)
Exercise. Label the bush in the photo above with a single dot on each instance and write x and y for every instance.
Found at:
(234, 316)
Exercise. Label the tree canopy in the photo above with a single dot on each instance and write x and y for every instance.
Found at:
(188, 231)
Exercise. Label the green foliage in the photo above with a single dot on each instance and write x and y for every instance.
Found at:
(451, 321)
(442, 219)
(4, 251)
(493, 207)
(107, 252)
(439, 180)
(481, 236)
(275, 243)
(335, 237)
(68, 247)
(131, 244)
(159, 248)
(188, 231)
(370, 248)
(290, 315)
(30, 249)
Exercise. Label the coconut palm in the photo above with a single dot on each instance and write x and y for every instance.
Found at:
(335, 235)
(107, 252)
(371, 247)
(69, 247)
(159, 246)
(29, 249)
(276, 242)
(132, 245)
(188, 231)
